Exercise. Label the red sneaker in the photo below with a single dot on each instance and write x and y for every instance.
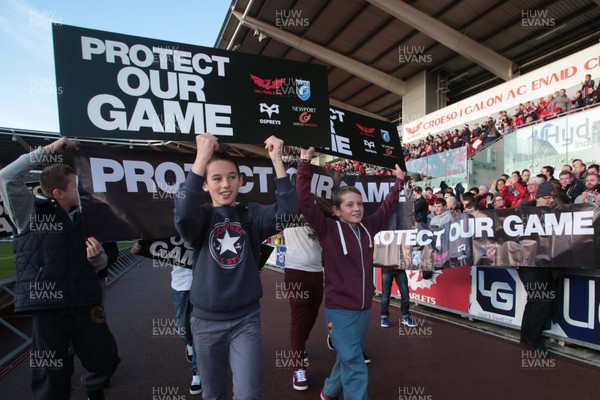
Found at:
(325, 397)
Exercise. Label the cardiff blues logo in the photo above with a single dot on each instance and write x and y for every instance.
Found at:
(227, 241)
(385, 135)
(303, 89)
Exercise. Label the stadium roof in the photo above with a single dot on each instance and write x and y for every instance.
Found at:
(470, 45)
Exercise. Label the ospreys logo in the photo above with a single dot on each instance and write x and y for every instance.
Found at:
(227, 243)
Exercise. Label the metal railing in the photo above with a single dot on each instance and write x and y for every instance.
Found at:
(125, 262)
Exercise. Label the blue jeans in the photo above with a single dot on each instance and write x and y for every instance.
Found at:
(349, 373)
(387, 275)
(237, 343)
(183, 309)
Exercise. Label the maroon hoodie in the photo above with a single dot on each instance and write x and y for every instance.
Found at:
(348, 258)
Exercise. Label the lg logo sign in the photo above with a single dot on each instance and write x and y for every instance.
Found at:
(496, 290)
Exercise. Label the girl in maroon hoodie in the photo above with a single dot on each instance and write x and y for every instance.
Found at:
(348, 265)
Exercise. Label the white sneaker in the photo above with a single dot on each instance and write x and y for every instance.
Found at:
(299, 381)
(196, 386)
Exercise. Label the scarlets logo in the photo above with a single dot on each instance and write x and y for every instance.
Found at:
(416, 281)
(412, 131)
(363, 130)
(268, 86)
(227, 242)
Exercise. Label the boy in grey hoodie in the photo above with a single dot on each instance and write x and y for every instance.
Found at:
(226, 286)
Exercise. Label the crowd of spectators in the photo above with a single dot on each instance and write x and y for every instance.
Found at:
(576, 184)
(349, 167)
(481, 135)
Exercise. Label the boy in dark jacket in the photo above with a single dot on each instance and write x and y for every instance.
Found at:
(55, 266)
(226, 286)
(348, 254)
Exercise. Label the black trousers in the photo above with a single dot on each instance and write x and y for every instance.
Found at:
(387, 276)
(539, 285)
(52, 366)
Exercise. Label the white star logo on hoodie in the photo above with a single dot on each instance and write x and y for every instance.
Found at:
(228, 243)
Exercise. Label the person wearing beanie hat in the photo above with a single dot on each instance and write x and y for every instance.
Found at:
(539, 285)
(545, 191)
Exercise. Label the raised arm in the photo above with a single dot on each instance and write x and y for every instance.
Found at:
(189, 217)
(269, 217)
(18, 200)
(313, 215)
(274, 146)
(206, 145)
(390, 204)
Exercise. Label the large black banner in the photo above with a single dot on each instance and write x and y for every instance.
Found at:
(564, 237)
(121, 86)
(128, 194)
(361, 138)
(175, 252)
